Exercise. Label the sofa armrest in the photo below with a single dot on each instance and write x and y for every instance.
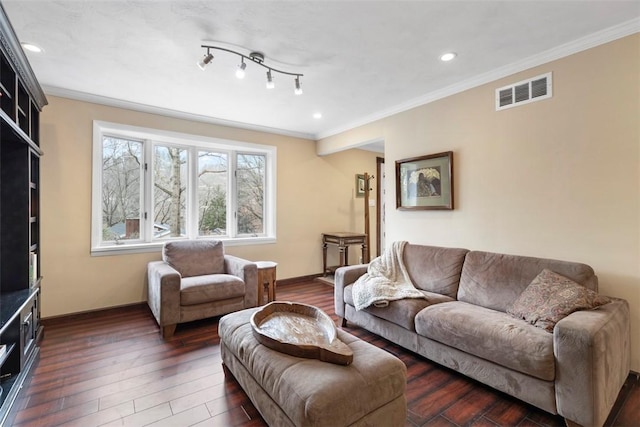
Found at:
(248, 272)
(592, 350)
(345, 276)
(163, 286)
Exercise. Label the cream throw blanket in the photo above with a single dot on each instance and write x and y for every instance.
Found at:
(386, 280)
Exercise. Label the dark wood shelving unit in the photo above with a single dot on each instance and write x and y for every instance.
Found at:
(21, 101)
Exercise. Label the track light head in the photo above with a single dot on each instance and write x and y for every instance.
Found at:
(205, 61)
(240, 73)
(270, 83)
(298, 89)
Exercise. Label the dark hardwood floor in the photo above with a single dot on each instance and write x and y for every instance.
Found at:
(112, 368)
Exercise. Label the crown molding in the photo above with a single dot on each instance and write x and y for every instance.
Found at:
(601, 37)
(166, 112)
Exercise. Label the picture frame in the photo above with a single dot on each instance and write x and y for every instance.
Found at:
(425, 182)
(359, 185)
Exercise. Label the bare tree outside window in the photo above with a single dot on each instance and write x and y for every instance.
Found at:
(121, 184)
(250, 189)
(169, 193)
(212, 193)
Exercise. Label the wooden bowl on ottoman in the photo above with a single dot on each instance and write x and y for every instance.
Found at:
(300, 330)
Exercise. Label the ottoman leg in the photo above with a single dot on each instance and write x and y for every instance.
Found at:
(226, 371)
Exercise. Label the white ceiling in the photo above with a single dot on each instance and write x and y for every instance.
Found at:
(361, 60)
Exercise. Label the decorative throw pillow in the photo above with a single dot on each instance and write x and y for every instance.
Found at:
(550, 297)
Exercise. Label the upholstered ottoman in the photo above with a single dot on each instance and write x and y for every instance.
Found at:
(293, 391)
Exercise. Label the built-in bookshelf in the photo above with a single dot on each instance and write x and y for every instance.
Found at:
(21, 100)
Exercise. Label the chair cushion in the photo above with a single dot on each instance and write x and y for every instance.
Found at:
(401, 312)
(195, 257)
(491, 335)
(211, 287)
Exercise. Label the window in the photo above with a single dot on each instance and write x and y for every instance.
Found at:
(151, 186)
(213, 181)
(121, 188)
(250, 181)
(169, 205)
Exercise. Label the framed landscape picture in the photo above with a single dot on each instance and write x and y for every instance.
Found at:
(425, 182)
(359, 185)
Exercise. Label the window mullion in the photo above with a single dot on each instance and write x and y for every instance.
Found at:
(232, 212)
(192, 194)
(147, 214)
(268, 224)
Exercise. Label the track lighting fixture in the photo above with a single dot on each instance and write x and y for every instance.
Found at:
(258, 59)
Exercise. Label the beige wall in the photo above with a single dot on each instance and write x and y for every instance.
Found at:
(314, 195)
(557, 178)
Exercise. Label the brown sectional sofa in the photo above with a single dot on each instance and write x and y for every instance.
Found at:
(576, 371)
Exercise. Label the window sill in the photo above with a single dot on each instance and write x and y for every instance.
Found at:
(139, 248)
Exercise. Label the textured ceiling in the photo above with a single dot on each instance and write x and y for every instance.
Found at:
(360, 59)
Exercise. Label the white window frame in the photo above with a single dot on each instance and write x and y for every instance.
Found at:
(153, 137)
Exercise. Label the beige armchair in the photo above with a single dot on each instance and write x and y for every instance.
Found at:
(196, 280)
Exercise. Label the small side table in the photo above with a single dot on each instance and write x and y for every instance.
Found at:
(342, 240)
(266, 275)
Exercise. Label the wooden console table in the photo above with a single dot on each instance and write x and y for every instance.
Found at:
(342, 240)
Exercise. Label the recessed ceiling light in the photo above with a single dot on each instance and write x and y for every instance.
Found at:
(317, 115)
(31, 47)
(448, 56)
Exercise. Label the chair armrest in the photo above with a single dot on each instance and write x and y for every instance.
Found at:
(248, 272)
(592, 350)
(345, 276)
(163, 285)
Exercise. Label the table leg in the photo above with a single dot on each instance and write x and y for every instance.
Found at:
(260, 287)
(342, 254)
(324, 259)
(272, 286)
(365, 253)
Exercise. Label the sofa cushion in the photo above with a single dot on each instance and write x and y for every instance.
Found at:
(211, 287)
(491, 335)
(551, 297)
(497, 280)
(434, 269)
(402, 312)
(194, 257)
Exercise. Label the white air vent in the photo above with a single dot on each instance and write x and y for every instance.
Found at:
(524, 92)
